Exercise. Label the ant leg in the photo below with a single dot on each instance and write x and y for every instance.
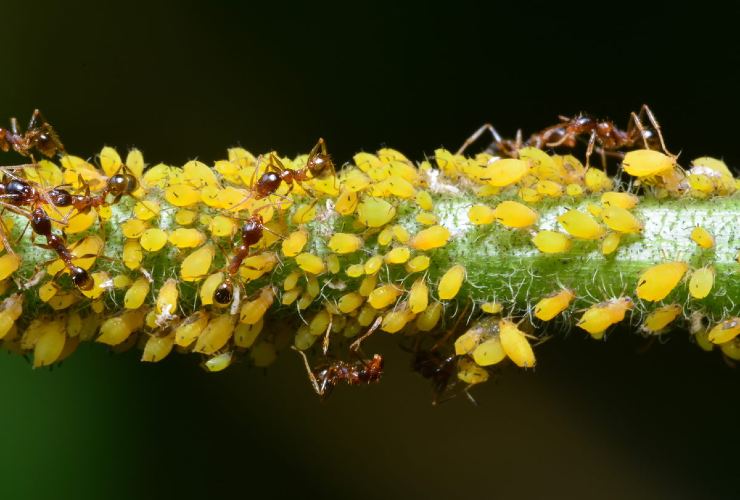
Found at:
(355, 346)
(470, 396)
(654, 122)
(311, 376)
(590, 148)
(638, 123)
(14, 126)
(36, 120)
(487, 127)
(325, 346)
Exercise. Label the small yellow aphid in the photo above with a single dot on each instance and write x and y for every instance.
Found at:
(581, 225)
(530, 195)
(610, 243)
(489, 352)
(187, 238)
(549, 188)
(599, 317)
(515, 344)
(152, 240)
(134, 228)
(596, 180)
(190, 328)
(349, 302)
(346, 202)
(216, 334)
(552, 305)
(725, 331)
(702, 237)
(310, 263)
(117, 329)
(182, 195)
(492, 307)
(398, 255)
(355, 270)
(252, 311)
(80, 222)
(12, 307)
(9, 264)
(450, 283)
(427, 219)
(419, 296)
(333, 264)
(656, 282)
(372, 265)
(50, 344)
(431, 237)
(481, 214)
(470, 373)
(167, 299)
(291, 296)
(594, 209)
(660, 318)
(344, 243)
(319, 324)
(196, 265)
(619, 199)
(383, 296)
(294, 243)
(222, 226)
(397, 319)
(121, 281)
(304, 214)
(701, 282)
(375, 212)
(146, 209)
(424, 200)
(208, 288)
(574, 190)
(468, 341)
(418, 264)
(136, 295)
(506, 171)
(185, 217)
(245, 335)
(620, 219)
(428, 319)
(551, 242)
(646, 162)
(400, 233)
(47, 291)
(220, 362)
(385, 237)
(514, 214)
(157, 348)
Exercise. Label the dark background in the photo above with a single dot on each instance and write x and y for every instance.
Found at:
(191, 79)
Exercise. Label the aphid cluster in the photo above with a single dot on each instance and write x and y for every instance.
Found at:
(208, 260)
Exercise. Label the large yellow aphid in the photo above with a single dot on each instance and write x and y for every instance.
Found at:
(610, 243)
(167, 300)
(656, 282)
(552, 305)
(450, 283)
(216, 334)
(375, 212)
(621, 200)
(725, 331)
(418, 296)
(515, 344)
(471, 373)
(646, 162)
(344, 243)
(383, 296)
(514, 214)
(190, 328)
(702, 237)
(620, 219)
(506, 172)
(398, 255)
(581, 225)
(481, 215)
(551, 241)
(153, 239)
(9, 264)
(431, 237)
(310, 263)
(50, 344)
(599, 317)
(660, 318)
(196, 265)
(701, 282)
(489, 352)
(136, 294)
(157, 348)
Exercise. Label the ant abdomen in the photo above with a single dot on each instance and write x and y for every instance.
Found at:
(81, 278)
(224, 293)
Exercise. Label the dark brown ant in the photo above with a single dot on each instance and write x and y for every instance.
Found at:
(40, 135)
(325, 377)
(118, 185)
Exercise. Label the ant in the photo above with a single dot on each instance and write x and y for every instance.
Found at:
(39, 135)
(118, 185)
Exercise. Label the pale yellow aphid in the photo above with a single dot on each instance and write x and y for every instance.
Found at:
(581, 225)
(79, 222)
(345, 243)
(186, 238)
(221, 226)
(395, 320)
(303, 338)
(372, 265)
(182, 195)
(134, 228)
(255, 266)
(355, 270)
(530, 195)
(245, 335)
(427, 219)
(121, 281)
(418, 296)
(216, 334)
(574, 190)
(350, 302)
(167, 299)
(366, 315)
(385, 237)
(291, 296)
(491, 307)
(117, 329)
(656, 282)
(320, 322)
(252, 311)
(514, 214)
(383, 296)
(594, 209)
(400, 187)
(620, 219)
(725, 331)
(599, 317)
(515, 344)
(431, 237)
(702, 237)
(701, 282)
(12, 307)
(619, 199)
(470, 373)
(191, 328)
(418, 264)
(157, 348)
(50, 344)
(333, 264)
(468, 341)
(506, 171)
(400, 233)
(63, 300)
(146, 209)
(552, 305)
(196, 265)
(48, 290)
(450, 283)
(646, 162)
(185, 217)
(375, 212)
(310, 263)
(551, 241)
(263, 354)
(346, 202)
(398, 255)
(136, 294)
(489, 352)
(596, 180)
(424, 200)
(549, 188)
(610, 243)
(304, 214)
(209, 286)
(153, 239)
(219, 362)
(481, 215)
(9, 264)
(660, 318)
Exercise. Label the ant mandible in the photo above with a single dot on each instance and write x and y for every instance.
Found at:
(40, 135)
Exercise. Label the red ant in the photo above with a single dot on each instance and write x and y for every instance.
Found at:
(118, 185)
(39, 135)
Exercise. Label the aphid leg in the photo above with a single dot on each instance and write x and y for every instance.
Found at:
(355, 346)
(311, 377)
(487, 127)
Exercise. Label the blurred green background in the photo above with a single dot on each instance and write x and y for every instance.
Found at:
(189, 79)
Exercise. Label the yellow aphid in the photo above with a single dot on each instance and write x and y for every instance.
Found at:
(222, 226)
(355, 270)
(333, 264)
(310, 263)
(45, 173)
(470, 373)
(418, 264)
(375, 212)
(599, 317)
(152, 240)
(216, 334)
(368, 285)
(74, 324)
(450, 283)
(255, 266)
(182, 195)
(146, 209)
(610, 243)
(136, 295)
(581, 225)
(514, 214)
(121, 281)
(431, 237)
(731, 349)
(515, 344)
(196, 265)
(320, 323)
(304, 214)
(418, 296)
(134, 228)
(385, 237)
(252, 311)
(157, 348)
(135, 162)
(596, 180)
(701, 282)
(468, 341)
(190, 328)
(383, 296)
(660, 318)
(491, 307)
(396, 320)
(646, 162)
(185, 217)
(594, 209)
(400, 233)
(481, 214)
(552, 305)
(656, 282)
(424, 200)
(702, 237)
(551, 242)
(12, 307)
(167, 299)
(312, 286)
(245, 335)
(366, 315)
(344, 243)
(489, 352)
(350, 301)
(63, 300)
(9, 264)
(186, 238)
(398, 255)
(400, 187)
(50, 344)
(506, 171)
(294, 243)
(291, 296)
(117, 329)
(620, 219)
(198, 174)
(303, 338)
(427, 219)
(549, 188)
(291, 280)
(263, 354)
(101, 283)
(725, 331)
(346, 202)
(428, 319)
(80, 222)
(574, 190)
(617, 199)
(47, 291)
(220, 362)
(530, 195)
